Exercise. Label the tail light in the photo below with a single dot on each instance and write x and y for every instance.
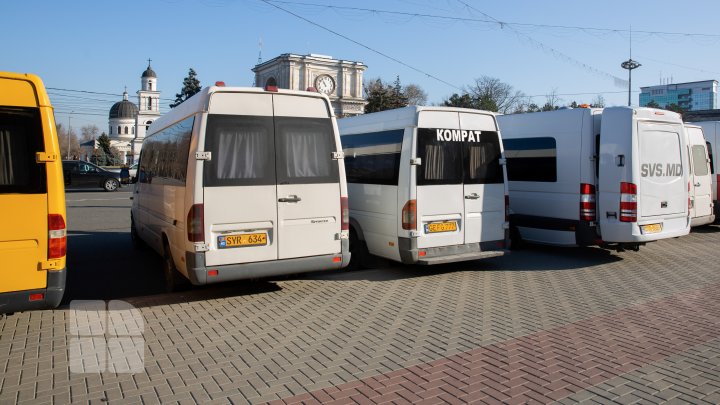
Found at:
(628, 202)
(344, 214)
(587, 202)
(507, 208)
(196, 223)
(57, 236)
(409, 215)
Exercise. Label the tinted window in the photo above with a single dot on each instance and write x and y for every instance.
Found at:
(165, 155)
(451, 156)
(21, 137)
(710, 155)
(531, 159)
(304, 150)
(373, 158)
(242, 150)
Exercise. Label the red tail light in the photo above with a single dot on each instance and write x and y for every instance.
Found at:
(36, 297)
(57, 236)
(344, 214)
(196, 223)
(587, 202)
(409, 215)
(628, 202)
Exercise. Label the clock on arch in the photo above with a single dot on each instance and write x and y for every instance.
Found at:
(325, 84)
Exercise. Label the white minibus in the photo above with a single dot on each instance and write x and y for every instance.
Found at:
(711, 131)
(239, 183)
(615, 177)
(426, 184)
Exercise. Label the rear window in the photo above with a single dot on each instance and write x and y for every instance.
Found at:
(449, 159)
(21, 137)
(251, 150)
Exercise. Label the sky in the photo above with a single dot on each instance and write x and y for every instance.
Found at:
(88, 52)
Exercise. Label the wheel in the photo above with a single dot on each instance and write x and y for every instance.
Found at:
(134, 236)
(111, 184)
(172, 277)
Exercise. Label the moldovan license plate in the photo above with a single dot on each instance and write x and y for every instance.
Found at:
(447, 226)
(651, 228)
(245, 239)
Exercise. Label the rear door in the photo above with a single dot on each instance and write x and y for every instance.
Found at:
(440, 192)
(24, 200)
(308, 179)
(700, 177)
(240, 194)
(662, 189)
(483, 180)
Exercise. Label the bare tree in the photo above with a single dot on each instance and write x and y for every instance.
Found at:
(89, 132)
(64, 142)
(598, 101)
(494, 92)
(552, 101)
(415, 95)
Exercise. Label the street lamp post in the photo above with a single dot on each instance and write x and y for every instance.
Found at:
(630, 65)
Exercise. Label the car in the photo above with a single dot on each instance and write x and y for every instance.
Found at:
(80, 174)
(125, 176)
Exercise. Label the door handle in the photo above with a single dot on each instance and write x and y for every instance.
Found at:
(288, 199)
(473, 196)
(696, 184)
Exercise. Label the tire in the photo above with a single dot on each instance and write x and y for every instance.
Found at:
(172, 277)
(111, 184)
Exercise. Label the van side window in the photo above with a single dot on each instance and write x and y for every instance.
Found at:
(242, 150)
(165, 154)
(531, 159)
(373, 158)
(710, 155)
(21, 136)
(304, 150)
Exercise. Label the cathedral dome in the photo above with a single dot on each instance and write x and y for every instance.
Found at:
(149, 72)
(123, 109)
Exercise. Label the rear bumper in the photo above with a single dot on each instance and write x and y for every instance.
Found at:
(410, 253)
(198, 271)
(53, 293)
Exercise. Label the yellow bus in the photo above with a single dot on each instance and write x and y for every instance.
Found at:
(33, 234)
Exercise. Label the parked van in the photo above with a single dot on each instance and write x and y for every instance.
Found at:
(614, 177)
(239, 183)
(701, 198)
(32, 196)
(426, 184)
(711, 131)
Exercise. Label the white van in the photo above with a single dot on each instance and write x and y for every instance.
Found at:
(239, 183)
(426, 184)
(701, 199)
(711, 130)
(612, 177)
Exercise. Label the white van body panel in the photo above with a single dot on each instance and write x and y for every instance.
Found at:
(711, 131)
(477, 210)
(296, 224)
(546, 207)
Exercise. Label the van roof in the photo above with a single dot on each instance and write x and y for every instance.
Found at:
(199, 102)
(402, 117)
(22, 90)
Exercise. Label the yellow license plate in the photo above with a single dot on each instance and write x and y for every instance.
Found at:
(652, 228)
(245, 239)
(448, 226)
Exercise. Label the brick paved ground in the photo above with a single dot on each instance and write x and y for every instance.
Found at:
(539, 326)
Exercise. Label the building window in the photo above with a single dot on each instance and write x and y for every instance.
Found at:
(149, 103)
(119, 130)
(132, 130)
(271, 82)
(126, 130)
(150, 85)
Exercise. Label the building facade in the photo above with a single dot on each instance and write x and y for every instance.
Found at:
(692, 96)
(341, 80)
(128, 123)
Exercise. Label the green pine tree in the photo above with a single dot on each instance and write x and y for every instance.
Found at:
(191, 85)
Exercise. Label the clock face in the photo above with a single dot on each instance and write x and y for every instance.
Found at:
(325, 84)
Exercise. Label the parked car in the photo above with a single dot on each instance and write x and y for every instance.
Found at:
(126, 173)
(79, 174)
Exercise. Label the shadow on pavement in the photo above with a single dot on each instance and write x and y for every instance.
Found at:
(706, 229)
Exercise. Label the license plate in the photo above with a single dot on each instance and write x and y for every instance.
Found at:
(245, 239)
(652, 228)
(448, 226)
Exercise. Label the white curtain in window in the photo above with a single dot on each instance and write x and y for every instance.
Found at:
(480, 156)
(308, 153)
(434, 162)
(241, 153)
